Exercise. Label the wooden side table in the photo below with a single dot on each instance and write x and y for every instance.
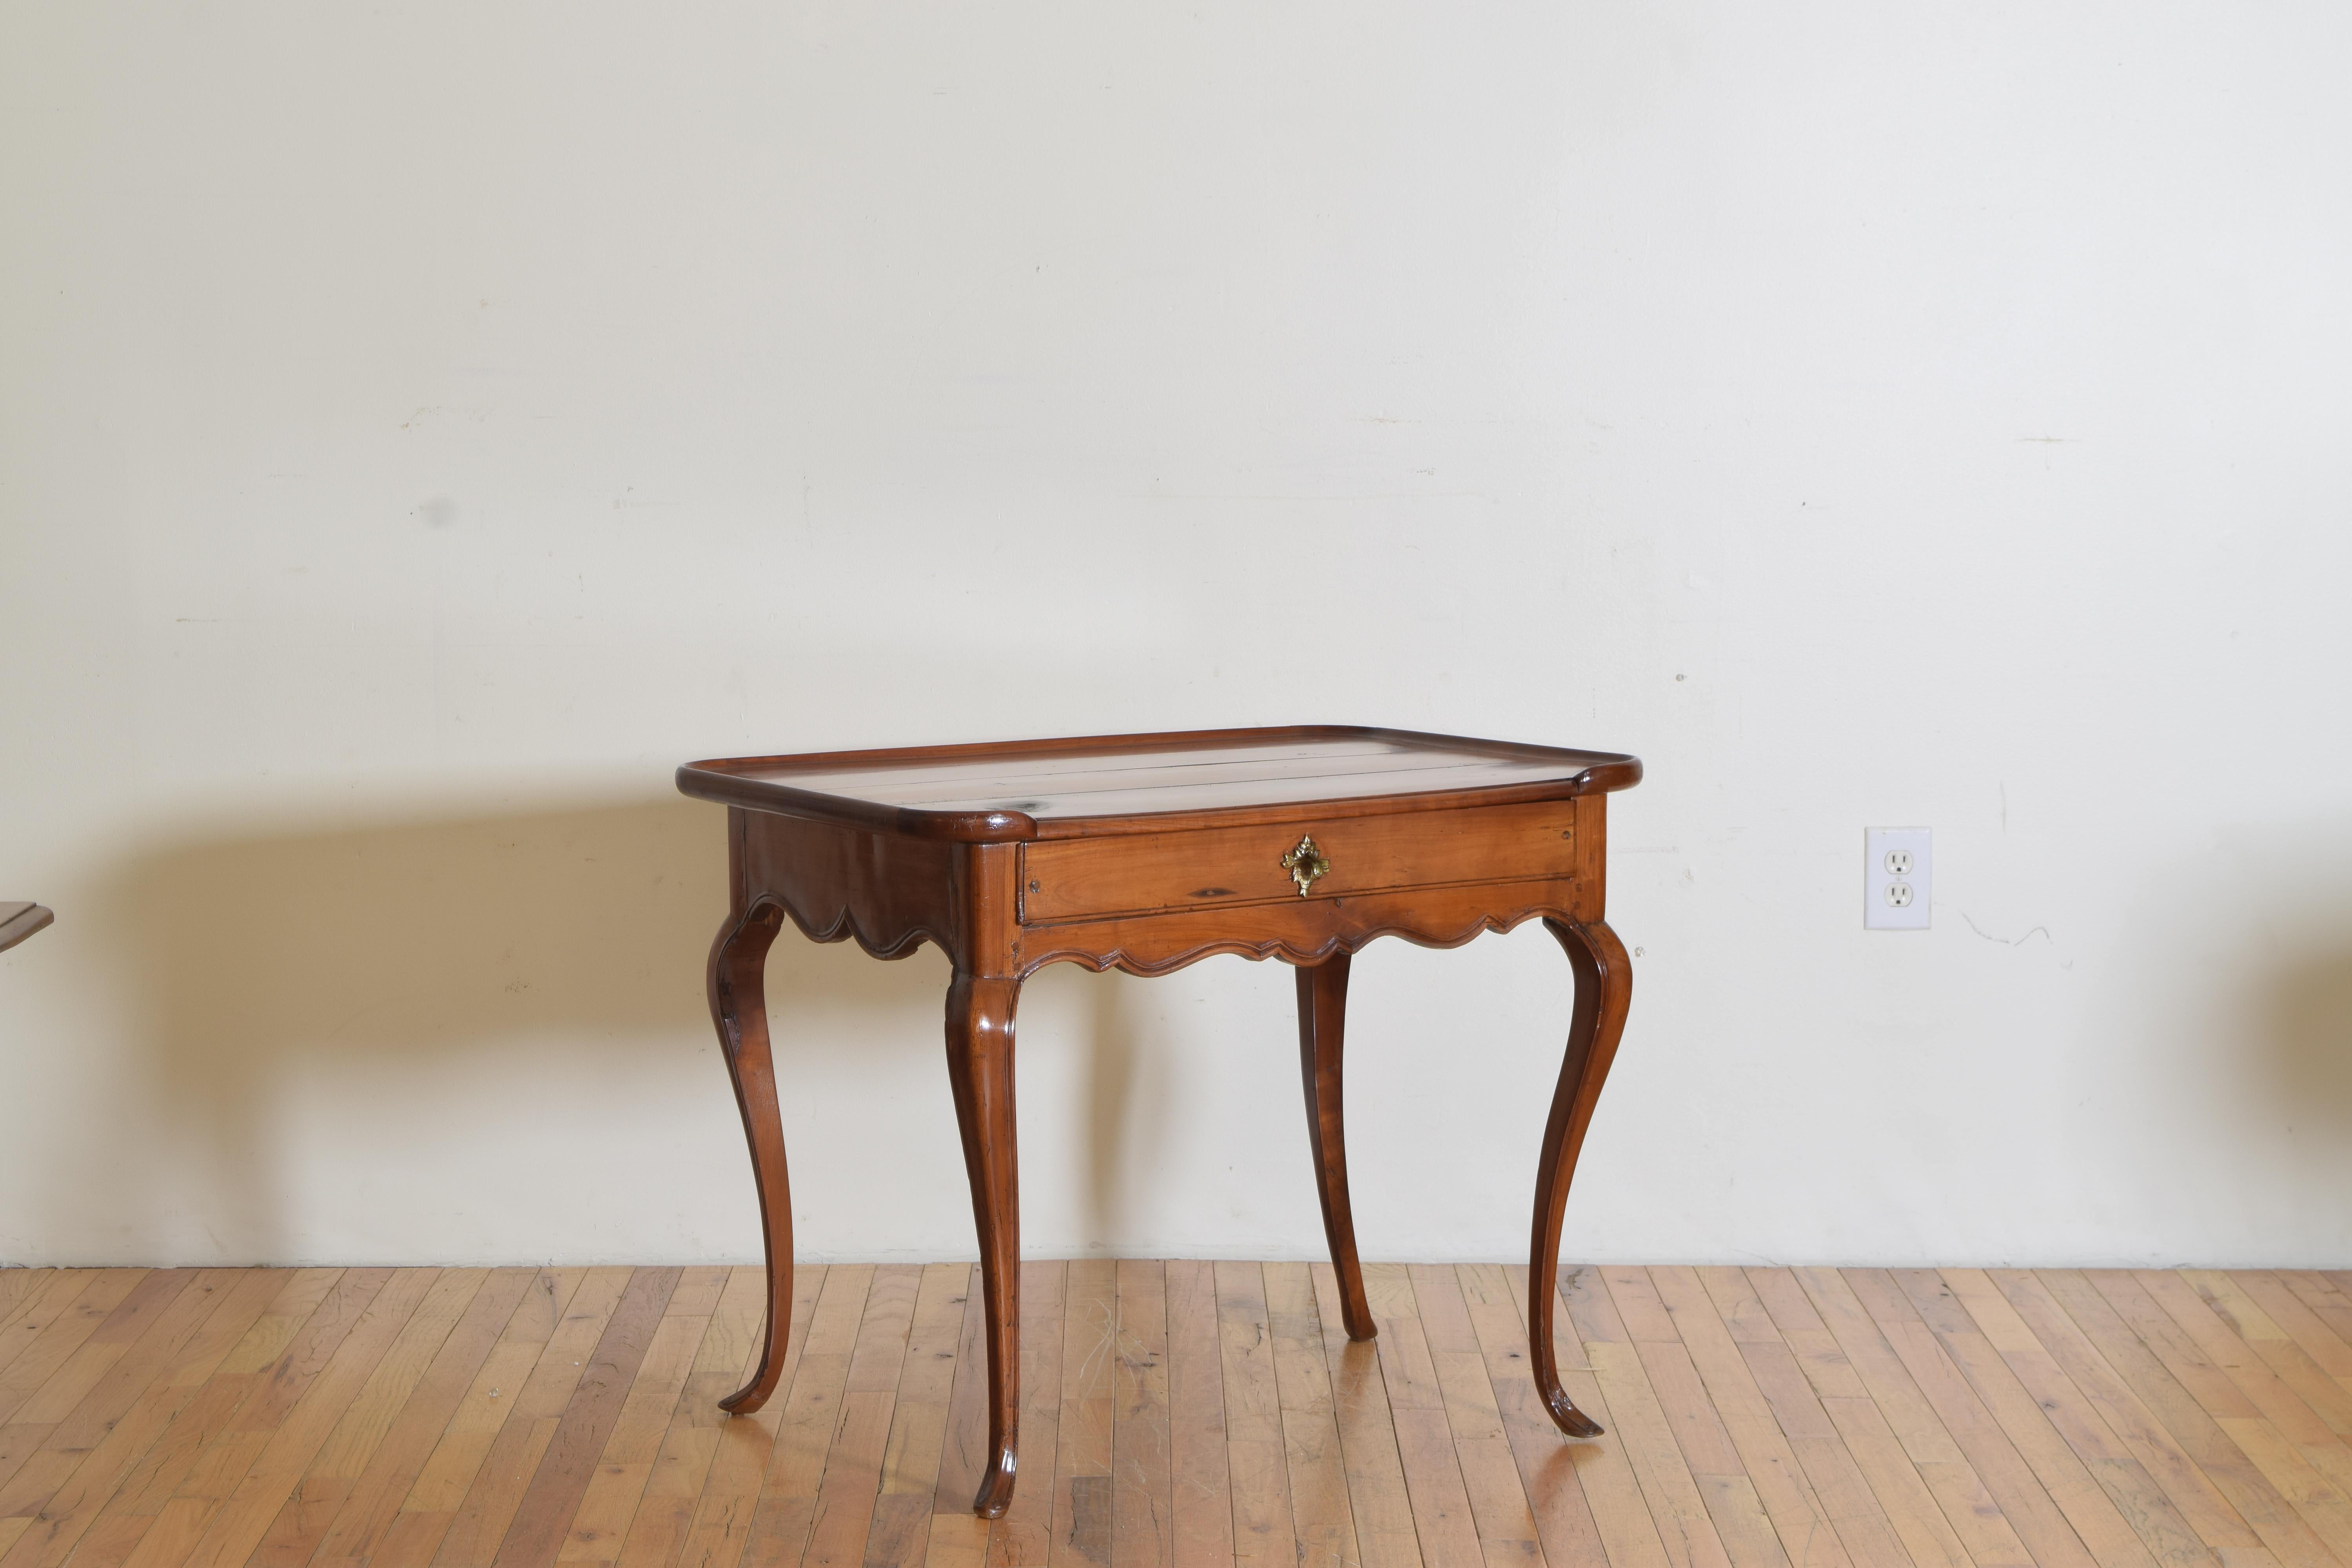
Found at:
(1148, 853)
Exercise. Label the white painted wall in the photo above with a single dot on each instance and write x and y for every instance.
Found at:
(421, 427)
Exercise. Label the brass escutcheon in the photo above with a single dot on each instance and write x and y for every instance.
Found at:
(1305, 865)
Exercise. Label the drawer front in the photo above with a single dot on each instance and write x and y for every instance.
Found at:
(1137, 874)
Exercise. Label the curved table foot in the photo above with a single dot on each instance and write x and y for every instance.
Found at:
(995, 1494)
(738, 1006)
(1604, 989)
(980, 1069)
(1322, 1024)
(1566, 1415)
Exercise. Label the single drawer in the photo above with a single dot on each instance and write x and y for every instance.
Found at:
(1076, 878)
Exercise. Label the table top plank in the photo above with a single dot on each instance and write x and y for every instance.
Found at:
(1014, 787)
(1061, 788)
(1368, 754)
(1239, 794)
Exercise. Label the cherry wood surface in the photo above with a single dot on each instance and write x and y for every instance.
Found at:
(1045, 789)
(1322, 1029)
(1070, 878)
(1147, 853)
(1183, 1414)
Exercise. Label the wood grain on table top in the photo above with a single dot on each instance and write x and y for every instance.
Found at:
(1030, 782)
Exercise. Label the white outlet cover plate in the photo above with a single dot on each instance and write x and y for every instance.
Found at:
(1877, 844)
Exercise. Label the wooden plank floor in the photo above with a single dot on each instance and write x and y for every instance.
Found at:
(1176, 1415)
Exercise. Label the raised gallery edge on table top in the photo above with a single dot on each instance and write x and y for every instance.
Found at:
(1000, 792)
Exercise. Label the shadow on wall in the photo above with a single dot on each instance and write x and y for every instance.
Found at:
(2230, 1065)
(262, 956)
(2309, 1026)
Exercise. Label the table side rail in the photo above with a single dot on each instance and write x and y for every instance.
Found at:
(889, 892)
(1306, 931)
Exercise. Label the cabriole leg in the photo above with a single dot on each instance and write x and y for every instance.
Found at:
(738, 1005)
(1604, 989)
(979, 1067)
(1322, 1025)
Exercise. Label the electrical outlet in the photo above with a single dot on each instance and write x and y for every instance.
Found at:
(1899, 868)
